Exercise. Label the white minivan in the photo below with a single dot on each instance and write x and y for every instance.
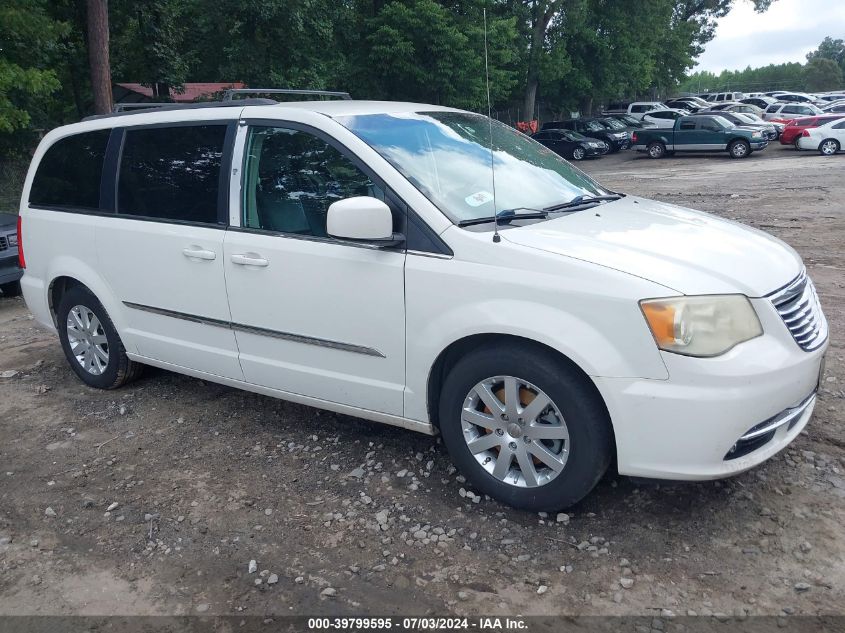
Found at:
(429, 268)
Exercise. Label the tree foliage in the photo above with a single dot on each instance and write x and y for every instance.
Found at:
(821, 73)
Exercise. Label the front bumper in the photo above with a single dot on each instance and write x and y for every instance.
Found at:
(9, 270)
(685, 427)
(757, 145)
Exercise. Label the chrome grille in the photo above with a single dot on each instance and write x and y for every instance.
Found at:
(4, 244)
(798, 305)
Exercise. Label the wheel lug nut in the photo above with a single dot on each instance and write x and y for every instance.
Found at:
(499, 432)
(505, 417)
(512, 446)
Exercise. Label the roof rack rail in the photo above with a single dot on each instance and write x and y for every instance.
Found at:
(125, 109)
(229, 95)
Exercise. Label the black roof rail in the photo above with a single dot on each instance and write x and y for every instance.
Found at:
(126, 109)
(229, 95)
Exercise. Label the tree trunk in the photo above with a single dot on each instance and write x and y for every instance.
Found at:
(543, 14)
(98, 55)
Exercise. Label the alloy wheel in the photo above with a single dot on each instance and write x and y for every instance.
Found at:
(87, 340)
(578, 153)
(515, 431)
(829, 147)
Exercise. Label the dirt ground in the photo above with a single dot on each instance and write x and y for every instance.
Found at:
(155, 498)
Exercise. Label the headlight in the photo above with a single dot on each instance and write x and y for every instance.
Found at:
(757, 133)
(707, 325)
(13, 239)
(595, 144)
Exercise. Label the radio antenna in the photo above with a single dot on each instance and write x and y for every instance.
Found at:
(496, 237)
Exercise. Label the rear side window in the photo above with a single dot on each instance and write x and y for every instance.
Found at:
(773, 108)
(687, 125)
(69, 172)
(171, 173)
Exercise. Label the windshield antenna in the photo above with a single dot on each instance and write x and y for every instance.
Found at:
(496, 237)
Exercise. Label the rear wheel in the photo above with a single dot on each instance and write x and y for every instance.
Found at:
(829, 147)
(524, 428)
(11, 289)
(656, 150)
(739, 149)
(796, 143)
(579, 153)
(91, 343)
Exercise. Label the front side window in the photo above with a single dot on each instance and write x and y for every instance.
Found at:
(292, 177)
(447, 157)
(69, 172)
(773, 108)
(171, 173)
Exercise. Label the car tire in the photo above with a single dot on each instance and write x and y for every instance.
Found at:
(739, 149)
(579, 153)
(656, 149)
(796, 143)
(11, 289)
(91, 343)
(829, 147)
(574, 406)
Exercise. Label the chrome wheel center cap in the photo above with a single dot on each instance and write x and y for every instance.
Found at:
(514, 430)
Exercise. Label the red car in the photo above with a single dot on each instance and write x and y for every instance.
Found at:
(795, 127)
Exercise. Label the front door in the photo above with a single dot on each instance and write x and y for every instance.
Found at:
(312, 315)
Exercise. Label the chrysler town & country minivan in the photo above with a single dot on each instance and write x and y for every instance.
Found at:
(424, 267)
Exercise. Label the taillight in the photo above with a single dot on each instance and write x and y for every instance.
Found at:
(633, 137)
(805, 133)
(21, 259)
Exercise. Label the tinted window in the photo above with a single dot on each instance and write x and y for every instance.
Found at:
(687, 125)
(172, 173)
(839, 126)
(69, 173)
(640, 108)
(773, 108)
(291, 178)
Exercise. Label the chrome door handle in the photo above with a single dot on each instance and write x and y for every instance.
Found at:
(199, 253)
(249, 259)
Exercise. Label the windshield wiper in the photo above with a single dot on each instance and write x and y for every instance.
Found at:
(506, 215)
(579, 201)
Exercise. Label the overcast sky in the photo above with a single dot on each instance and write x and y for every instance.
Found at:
(785, 33)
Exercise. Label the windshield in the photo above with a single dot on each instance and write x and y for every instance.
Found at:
(616, 125)
(446, 155)
(594, 126)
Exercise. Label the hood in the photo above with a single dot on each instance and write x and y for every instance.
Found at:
(688, 251)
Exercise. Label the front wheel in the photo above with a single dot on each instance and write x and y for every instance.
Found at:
(829, 147)
(525, 428)
(91, 343)
(739, 149)
(579, 153)
(656, 150)
(797, 145)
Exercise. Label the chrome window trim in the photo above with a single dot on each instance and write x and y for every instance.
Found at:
(249, 329)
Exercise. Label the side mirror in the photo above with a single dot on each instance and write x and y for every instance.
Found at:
(362, 219)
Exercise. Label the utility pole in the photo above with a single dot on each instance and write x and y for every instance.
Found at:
(98, 54)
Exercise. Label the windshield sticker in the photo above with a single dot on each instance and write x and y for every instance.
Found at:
(477, 199)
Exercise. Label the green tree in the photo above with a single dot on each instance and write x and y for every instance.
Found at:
(830, 49)
(29, 42)
(821, 73)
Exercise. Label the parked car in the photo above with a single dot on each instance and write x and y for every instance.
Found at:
(828, 139)
(728, 96)
(753, 118)
(836, 106)
(689, 106)
(630, 122)
(700, 133)
(664, 118)
(787, 111)
(831, 96)
(739, 119)
(614, 125)
(639, 108)
(588, 127)
(737, 107)
(571, 144)
(761, 102)
(795, 97)
(10, 271)
(371, 259)
(796, 127)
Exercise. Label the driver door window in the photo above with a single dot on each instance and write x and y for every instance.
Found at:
(292, 177)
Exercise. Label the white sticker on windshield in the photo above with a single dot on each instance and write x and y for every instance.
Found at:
(477, 199)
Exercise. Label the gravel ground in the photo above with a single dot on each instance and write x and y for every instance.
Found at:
(176, 496)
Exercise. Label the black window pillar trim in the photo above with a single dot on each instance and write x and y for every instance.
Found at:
(111, 164)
